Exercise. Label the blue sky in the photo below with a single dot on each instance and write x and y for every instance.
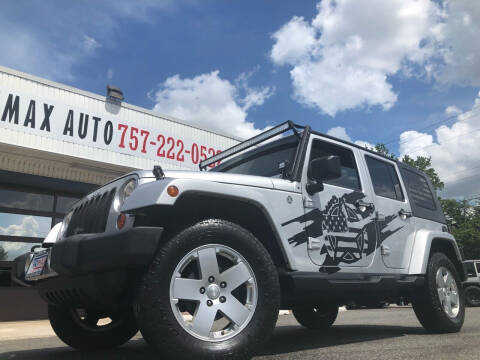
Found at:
(390, 72)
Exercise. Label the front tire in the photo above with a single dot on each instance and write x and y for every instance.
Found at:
(212, 291)
(472, 296)
(316, 317)
(440, 305)
(82, 330)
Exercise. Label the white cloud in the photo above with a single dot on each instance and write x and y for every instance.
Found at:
(209, 101)
(341, 133)
(109, 73)
(90, 44)
(457, 43)
(294, 41)
(48, 40)
(452, 110)
(343, 58)
(351, 49)
(453, 150)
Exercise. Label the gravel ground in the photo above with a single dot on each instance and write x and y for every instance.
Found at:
(357, 334)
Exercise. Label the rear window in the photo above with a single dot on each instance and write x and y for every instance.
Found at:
(419, 190)
(385, 179)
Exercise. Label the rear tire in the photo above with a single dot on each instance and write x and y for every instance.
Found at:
(316, 317)
(84, 333)
(187, 281)
(440, 303)
(472, 296)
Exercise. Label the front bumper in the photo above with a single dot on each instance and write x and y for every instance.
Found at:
(91, 253)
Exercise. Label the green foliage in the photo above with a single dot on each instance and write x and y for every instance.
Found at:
(3, 254)
(464, 222)
(382, 149)
(424, 164)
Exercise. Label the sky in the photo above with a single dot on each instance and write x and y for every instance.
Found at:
(401, 72)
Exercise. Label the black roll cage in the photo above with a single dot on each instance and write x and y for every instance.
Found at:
(294, 172)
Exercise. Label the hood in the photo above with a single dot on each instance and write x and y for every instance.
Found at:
(237, 179)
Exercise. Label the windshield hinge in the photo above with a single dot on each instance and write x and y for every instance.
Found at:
(308, 203)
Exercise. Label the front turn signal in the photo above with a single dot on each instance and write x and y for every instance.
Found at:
(121, 219)
(173, 191)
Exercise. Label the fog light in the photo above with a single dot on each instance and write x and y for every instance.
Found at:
(122, 218)
(172, 190)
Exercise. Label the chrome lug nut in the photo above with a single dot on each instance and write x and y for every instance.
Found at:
(222, 299)
(209, 302)
(211, 279)
(202, 290)
(223, 284)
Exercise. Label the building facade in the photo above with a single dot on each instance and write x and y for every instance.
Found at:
(57, 143)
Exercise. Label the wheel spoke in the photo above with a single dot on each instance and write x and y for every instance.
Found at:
(236, 276)
(441, 295)
(440, 279)
(454, 298)
(448, 305)
(207, 259)
(235, 311)
(449, 279)
(203, 319)
(187, 289)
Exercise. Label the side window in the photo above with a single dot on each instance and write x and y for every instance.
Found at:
(478, 267)
(349, 178)
(384, 178)
(419, 189)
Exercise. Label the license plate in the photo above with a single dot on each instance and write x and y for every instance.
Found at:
(38, 263)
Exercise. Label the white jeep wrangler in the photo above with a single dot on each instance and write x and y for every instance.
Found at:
(201, 262)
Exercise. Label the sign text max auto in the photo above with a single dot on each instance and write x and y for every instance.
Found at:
(66, 123)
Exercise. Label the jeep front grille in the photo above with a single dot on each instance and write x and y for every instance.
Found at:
(91, 216)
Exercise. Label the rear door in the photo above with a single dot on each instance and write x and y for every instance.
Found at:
(395, 224)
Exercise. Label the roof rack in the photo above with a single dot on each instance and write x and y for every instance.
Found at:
(277, 130)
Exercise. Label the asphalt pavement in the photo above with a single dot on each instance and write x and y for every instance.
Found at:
(392, 333)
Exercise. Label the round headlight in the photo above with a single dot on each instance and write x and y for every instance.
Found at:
(125, 191)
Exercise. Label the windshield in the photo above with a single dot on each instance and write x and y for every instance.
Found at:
(469, 269)
(263, 161)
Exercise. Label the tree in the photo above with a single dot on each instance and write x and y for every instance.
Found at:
(382, 149)
(424, 164)
(3, 253)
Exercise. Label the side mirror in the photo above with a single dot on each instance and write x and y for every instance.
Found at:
(322, 169)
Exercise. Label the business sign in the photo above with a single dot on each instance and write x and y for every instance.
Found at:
(60, 121)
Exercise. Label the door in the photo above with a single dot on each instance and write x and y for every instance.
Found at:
(341, 225)
(396, 227)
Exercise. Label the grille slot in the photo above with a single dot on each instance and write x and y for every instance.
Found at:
(91, 216)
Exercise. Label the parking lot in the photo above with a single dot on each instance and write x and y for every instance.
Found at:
(392, 333)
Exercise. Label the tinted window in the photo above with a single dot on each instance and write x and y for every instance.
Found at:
(263, 161)
(419, 190)
(9, 250)
(469, 269)
(24, 225)
(64, 203)
(478, 267)
(25, 200)
(349, 178)
(384, 178)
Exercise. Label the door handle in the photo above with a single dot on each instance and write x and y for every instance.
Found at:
(405, 214)
(385, 250)
(364, 206)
